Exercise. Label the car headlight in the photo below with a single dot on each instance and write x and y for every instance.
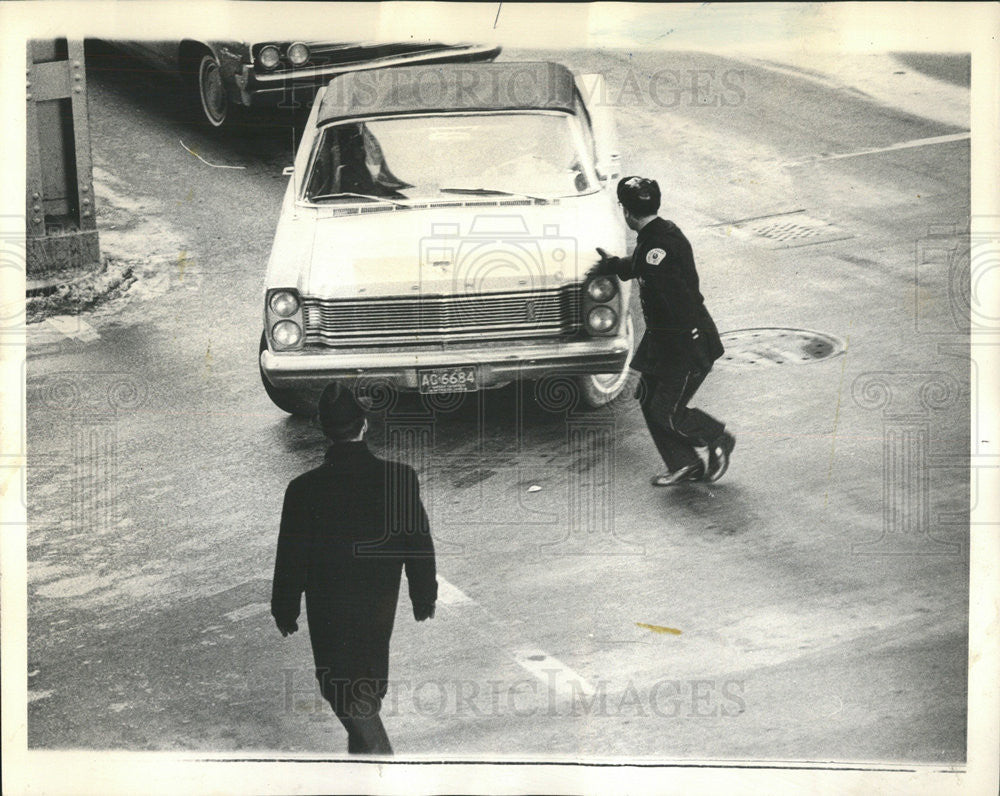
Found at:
(286, 333)
(269, 57)
(298, 54)
(284, 303)
(600, 319)
(602, 288)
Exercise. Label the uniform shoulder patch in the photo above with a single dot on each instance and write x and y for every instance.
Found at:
(654, 256)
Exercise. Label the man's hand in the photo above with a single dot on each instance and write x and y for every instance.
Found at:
(422, 611)
(286, 628)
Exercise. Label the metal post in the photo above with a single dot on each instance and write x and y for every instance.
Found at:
(61, 236)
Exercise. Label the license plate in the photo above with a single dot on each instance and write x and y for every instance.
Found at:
(433, 380)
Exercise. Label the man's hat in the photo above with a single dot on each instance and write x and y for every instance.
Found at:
(639, 193)
(339, 411)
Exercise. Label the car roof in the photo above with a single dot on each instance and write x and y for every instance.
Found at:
(429, 88)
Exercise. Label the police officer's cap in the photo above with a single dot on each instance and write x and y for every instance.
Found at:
(340, 414)
(639, 195)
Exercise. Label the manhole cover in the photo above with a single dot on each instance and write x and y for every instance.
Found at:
(784, 230)
(775, 346)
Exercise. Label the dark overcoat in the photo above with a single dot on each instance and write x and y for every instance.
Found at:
(348, 529)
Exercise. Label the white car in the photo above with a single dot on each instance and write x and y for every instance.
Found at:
(437, 232)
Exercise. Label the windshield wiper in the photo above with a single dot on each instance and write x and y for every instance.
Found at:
(323, 196)
(493, 192)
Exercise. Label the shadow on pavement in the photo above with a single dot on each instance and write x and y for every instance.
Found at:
(954, 68)
(262, 136)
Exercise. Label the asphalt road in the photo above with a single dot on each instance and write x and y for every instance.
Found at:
(820, 589)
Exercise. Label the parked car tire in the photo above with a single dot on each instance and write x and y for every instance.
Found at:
(600, 389)
(295, 402)
(213, 101)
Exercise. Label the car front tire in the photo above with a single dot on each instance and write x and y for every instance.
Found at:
(295, 402)
(215, 108)
(600, 389)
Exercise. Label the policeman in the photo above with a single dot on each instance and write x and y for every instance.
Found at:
(680, 344)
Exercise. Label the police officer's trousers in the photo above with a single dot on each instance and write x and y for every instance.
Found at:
(675, 428)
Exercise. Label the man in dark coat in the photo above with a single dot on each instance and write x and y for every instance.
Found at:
(348, 529)
(680, 344)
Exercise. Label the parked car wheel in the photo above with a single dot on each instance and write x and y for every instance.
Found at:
(600, 389)
(212, 92)
(295, 402)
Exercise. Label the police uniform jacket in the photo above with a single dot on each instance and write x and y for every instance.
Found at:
(348, 529)
(679, 331)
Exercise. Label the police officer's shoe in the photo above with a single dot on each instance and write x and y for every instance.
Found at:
(689, 472)
(718, 456)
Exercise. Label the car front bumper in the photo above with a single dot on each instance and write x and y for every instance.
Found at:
(496, 363)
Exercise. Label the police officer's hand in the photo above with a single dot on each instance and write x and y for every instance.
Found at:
(286, 628)
(605, 266)
(422, 611)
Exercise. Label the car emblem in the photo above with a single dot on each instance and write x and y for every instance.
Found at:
(531, 310)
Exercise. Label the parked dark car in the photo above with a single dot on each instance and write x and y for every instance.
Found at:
(220, 76)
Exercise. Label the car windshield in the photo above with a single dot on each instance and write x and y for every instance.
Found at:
(445, 157)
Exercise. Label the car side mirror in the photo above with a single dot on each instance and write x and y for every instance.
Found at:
(609, 168)
(288, 171)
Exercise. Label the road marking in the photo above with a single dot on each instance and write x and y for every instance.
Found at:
(560, 678)
(940, 139)
(553, 672)
(449, 594)
(254, 609)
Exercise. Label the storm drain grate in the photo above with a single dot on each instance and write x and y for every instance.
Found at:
(776, 346)
(785, 230)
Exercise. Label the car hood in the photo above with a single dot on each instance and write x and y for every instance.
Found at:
(442, 250)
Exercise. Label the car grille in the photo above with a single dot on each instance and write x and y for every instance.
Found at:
(358, 322)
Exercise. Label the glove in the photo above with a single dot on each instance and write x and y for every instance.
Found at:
(606, 266)
(422, 611)
(287, 627)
